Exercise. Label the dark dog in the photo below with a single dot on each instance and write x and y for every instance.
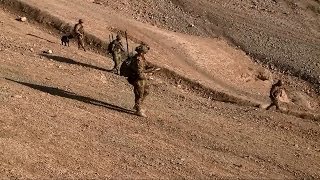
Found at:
(66, 39)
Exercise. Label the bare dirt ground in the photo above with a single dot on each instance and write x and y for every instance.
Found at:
(63, 115)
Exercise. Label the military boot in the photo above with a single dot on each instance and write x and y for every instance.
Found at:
(141, 113)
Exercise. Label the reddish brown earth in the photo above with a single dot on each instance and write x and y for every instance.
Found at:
(65, 116)
(282, 34)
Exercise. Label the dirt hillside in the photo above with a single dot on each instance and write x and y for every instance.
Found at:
(282, 34)
(65, 116)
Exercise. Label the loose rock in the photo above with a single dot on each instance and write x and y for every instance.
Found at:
(22, 19)
(49, 51)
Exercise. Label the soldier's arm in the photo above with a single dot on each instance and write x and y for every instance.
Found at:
(76, 29)
(140, 68)
(280, 91)
(149, 68)
(121, 46)
(277, 92)
(112, 45)
(272, 90)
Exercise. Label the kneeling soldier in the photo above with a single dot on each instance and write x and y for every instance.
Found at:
(275, 93)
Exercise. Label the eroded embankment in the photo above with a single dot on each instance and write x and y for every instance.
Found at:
(288, 43)
(51, 22)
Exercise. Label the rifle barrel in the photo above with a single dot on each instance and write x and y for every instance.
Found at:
(127, 43)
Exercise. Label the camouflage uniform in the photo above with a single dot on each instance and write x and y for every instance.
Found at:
(116, 51)
(79, 34)
(275, 93)
(139, 78)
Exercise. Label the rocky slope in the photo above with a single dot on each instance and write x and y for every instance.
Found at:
(281, 34)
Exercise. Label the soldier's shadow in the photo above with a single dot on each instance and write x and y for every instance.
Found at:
(71, 61)
(70, 95)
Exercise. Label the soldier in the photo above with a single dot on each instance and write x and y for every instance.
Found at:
(138, 78)
(275, 93)
(116, 49)
(79, 34)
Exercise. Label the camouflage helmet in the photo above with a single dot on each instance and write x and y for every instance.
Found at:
(118, 37)
(143, 48)
(80, 20)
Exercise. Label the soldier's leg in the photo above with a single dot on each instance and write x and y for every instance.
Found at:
(276, 103)
(82, 43)
(79, 43)
(136, 97)
(146, 90)
(139, 91)
(114, 58)
(78, 40)
(118, 62)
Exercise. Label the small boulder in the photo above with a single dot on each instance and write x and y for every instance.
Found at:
(263, 106)
(49, 51)
(17, 96)
(22, 19)
(191, 25)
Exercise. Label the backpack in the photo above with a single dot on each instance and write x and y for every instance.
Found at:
(126, 68)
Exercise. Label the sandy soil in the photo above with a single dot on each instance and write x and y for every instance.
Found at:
(63, 115)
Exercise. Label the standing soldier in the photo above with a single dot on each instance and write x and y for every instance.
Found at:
(138, 78)
(79, 33)
(275, 94)
(116, 49)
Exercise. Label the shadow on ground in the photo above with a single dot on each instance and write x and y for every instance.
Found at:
(40, 38)
(71, 61)
(70, 95)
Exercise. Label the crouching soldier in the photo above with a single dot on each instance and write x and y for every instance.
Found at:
(275, 94)
(138, 78)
